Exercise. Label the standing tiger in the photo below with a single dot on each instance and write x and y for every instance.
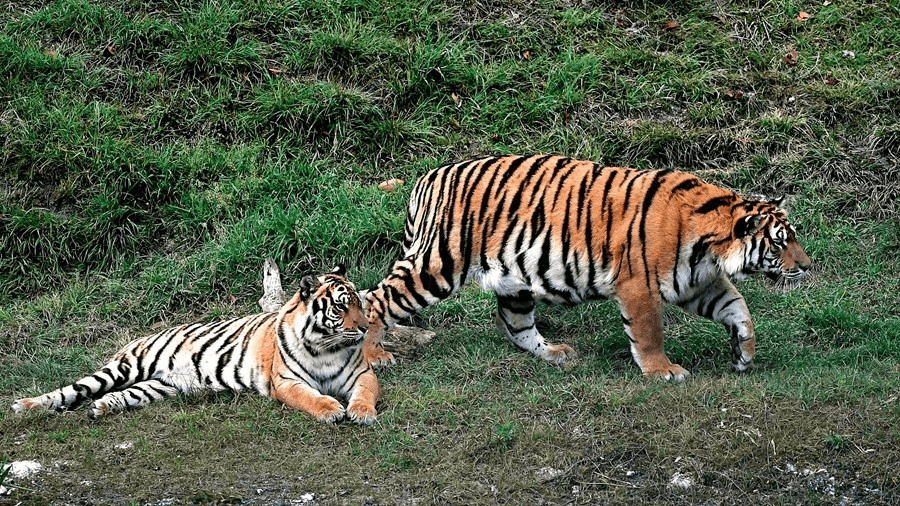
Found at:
(564, 231)
(300, 355)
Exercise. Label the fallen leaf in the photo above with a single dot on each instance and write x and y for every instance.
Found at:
(831, 81)
(826, 3)
(526, 54)
(157, 325)
(456, 100)
(390, 185)
(274, 71)
(792, 56)
(803, 16)
(671, 25)
(51, 53)
(109, 51)
(734, 94)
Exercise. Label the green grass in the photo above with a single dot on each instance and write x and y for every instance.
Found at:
(153, 154)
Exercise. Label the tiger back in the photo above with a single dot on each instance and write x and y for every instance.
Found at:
(565, 231)
(302, 355)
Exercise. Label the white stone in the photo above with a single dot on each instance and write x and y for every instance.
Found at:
(548, 473)
(682, 481)
(24, 468)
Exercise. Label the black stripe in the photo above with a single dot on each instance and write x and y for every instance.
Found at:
(686, 185)
(706, 310)
(588, 247)
(635, 175)
(715, 203)
(675, 285)
(698, 252)
(730, 302)
(658, 178)
(607, 213)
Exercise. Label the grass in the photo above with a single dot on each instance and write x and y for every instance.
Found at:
(153, 154)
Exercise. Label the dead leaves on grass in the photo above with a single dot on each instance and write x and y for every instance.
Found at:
(792, 56)
(391, 184)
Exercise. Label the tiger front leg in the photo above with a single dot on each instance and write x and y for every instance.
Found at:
(362, 399)
(296, 394)
(405, 291)
(722, 302)
(373, 349)
(643, 326)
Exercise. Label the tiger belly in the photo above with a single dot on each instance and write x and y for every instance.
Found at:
(549, 287)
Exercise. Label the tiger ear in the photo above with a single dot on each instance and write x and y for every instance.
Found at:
(781, 202)
(746, 225)
(340, 270)
(308, 286)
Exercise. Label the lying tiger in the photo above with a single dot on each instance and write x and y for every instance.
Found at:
(555, 229)
(300, 355)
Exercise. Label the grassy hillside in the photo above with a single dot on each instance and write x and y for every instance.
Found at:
(154, 153)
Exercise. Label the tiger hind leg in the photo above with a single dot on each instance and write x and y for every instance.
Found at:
(111, 377)
(515, 320)
(138, 394)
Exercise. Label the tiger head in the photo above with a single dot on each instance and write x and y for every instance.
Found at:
(337, 318)
(769, 244)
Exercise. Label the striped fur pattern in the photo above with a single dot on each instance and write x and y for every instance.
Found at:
(565, 231)
(300, 355)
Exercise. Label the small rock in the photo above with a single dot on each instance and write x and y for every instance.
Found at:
(548, 473)
(23, 469)
(304, 499)
(681, 481)
(126, 445)
(848, 54)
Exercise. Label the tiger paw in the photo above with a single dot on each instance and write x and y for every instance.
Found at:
(671, 372)
(97, 409)
(329, 410)
(360, 413)
(22, 405)
(379, 357)
(558, 354)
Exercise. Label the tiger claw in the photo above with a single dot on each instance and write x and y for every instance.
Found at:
(559, 354)
(363, 415)
(381, 359)
(673, 372)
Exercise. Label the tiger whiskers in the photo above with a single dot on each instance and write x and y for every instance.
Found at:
(336, 341)
(788, 281)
